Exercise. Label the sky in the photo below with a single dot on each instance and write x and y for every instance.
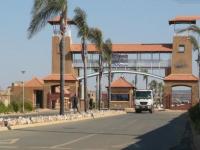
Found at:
(124, 21)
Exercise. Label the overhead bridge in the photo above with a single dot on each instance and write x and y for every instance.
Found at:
(123, 71)
(130, 63)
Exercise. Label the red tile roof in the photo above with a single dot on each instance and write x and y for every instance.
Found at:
(181, 77)
(34, 83)
(121, 82)
(56, 77)
(76, 48)
(184, 20)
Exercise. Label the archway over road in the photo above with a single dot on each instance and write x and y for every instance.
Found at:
(123, 71)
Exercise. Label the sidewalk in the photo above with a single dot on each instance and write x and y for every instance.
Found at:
(33, 121)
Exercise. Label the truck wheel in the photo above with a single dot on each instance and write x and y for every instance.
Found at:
(151, 110)
(137, 111)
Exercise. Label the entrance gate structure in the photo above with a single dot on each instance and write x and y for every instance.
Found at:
(181, 70)
(173, 59)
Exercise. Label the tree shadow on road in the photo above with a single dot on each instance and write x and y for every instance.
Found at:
(165, 137)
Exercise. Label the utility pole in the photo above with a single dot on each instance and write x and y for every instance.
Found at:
(23, 72)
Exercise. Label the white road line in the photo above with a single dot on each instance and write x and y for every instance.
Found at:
(37, 147)
(73, 141)
(9, 141)
(8, 147)
(125, 144)
(13, 141)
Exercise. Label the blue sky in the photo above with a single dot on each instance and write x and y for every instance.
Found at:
(124, 21)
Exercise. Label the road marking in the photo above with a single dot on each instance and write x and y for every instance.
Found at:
(125, 144)
(73, 141)
(8, 147)
(37, 147)
(9, 141)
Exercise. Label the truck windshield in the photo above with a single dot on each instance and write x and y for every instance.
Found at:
(143, 94)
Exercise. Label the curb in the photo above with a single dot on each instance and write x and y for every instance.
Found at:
(58, 122)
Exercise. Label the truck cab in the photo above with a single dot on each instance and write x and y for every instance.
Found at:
(143, 101)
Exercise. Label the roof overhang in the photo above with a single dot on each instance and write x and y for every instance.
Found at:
(128, 48)
(181, 77)
(184, 20)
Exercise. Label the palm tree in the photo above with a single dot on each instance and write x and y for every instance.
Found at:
(96, 70)
(42, 11)
(107, 56)
(80, 19)
(160, 91)
(145, 77)
(153, 86)
(96, 37)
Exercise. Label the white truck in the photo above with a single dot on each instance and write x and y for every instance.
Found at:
(143, 101)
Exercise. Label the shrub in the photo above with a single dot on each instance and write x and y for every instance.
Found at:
(194, 113)
(28, 106)
(10, 108)
(2, 108)
(15, 106)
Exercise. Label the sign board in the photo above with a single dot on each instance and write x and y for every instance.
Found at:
(120, 60)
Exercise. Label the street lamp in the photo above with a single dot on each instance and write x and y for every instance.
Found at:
(23, 72)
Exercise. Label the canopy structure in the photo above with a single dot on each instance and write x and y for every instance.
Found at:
(184, 20)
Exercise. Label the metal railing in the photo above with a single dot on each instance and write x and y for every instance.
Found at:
(130, 63)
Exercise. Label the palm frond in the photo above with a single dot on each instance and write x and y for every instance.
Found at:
(192, 28)
(80, 19)
(107, 50)
(144, 71)
(42, 11)
(96, 37)
(194, 42)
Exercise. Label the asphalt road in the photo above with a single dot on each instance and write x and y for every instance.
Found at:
(145, 131)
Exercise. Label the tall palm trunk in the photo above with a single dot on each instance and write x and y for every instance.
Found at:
(97, 85)
(109, 84)
(84, 55)
(100, 76)
(62, 62)
(146, 82)
(136, 80)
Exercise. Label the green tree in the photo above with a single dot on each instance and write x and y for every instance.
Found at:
(96, 37)
(153, 86)
(160, 91)
(42, 11)
(107, 55)
(145, 77)
(80, 20)
(97, 85)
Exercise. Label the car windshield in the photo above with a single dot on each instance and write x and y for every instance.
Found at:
(143, 94)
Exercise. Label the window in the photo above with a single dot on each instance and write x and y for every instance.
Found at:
(143, 94)
(119, 97)
(181, 48)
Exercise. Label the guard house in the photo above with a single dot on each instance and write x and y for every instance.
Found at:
(181, 86)
(33, 91)
(121, 94)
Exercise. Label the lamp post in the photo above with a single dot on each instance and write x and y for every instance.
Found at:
(23, 72)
